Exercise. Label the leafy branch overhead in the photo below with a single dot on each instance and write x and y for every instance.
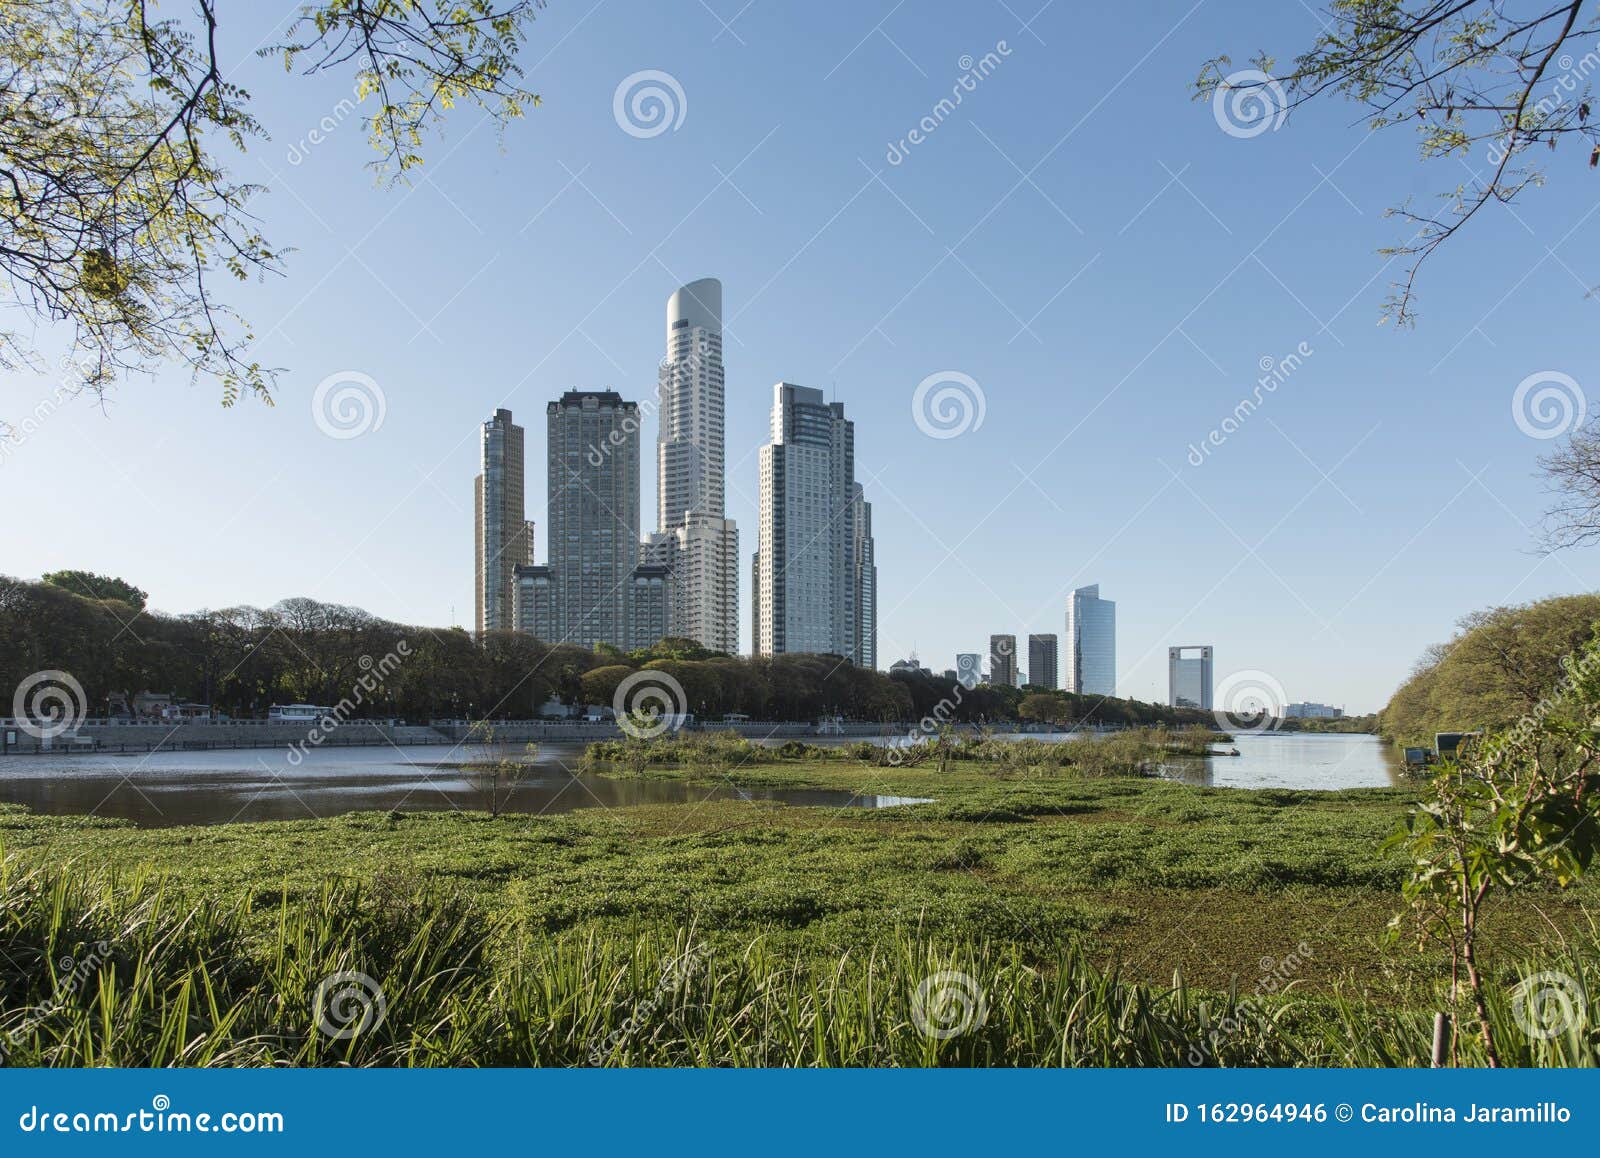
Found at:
(119, 219)
(1485, 84)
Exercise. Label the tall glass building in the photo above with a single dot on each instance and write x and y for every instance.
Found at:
(813, 571)
(693, 538)
(502, 538)
(1189, 677)
(1091, 659)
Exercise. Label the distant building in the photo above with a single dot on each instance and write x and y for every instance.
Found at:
(1189, 679)
(533, 602)
(910, 666)
(969, 669)
(866, 584)
(1003, 660)
(1044, 660)
(650, 605)
(1091, 659)
(502, 537)
(1309, 711)
(808, 572)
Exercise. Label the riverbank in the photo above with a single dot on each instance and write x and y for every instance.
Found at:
(1012, 875)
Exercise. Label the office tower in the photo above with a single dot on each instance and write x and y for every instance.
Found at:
(593, 460)
(693, 537)
(1189, 676)
(1091, 659)
(1044, 661)
(866, 584)
(1003, 660)
(809, 586)
(502, 537)
(969, 669)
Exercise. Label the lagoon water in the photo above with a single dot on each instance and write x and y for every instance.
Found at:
(173, 788)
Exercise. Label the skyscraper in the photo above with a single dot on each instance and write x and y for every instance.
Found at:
(502, 537)
(811, 578)
(1091, 659)
(866, 585)
(969, 669)
(593, 461)
(1044, 661)
(1003, 660)
(693, 537)
(1189, 677)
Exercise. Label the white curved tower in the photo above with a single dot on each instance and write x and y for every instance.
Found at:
(693, 537)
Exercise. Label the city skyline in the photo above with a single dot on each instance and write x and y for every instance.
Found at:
(1112, 323)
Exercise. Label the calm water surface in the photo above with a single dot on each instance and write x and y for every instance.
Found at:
(170, 788)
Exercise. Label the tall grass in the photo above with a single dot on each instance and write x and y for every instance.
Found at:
(109, 970)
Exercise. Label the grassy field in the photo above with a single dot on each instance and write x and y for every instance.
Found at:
(1099, 916)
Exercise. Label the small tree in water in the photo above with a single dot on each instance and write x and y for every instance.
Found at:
(1516, 808)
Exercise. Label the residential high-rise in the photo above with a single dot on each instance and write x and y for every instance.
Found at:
(593, 460)
(1189, 677)
(693, 537)
(1044, 661)
(811, 577)
(969, 669)
(866, 585)
(502, 537)
(1091, 659)
(1003, 660)
(534, 602)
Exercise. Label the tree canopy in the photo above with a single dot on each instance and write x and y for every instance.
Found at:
(1490, 83)
(1496, 669)
(119, 218)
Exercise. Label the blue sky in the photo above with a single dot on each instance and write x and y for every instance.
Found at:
(1079, 238)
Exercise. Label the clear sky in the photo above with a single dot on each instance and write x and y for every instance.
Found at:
(1078, 237)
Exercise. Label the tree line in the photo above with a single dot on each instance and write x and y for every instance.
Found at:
(242, 660)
